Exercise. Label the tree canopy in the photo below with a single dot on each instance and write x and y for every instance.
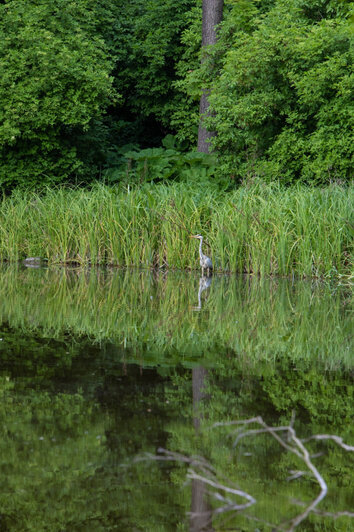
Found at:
(55, 80)
(81, 80)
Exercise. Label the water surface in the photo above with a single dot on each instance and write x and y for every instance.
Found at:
(100, 367)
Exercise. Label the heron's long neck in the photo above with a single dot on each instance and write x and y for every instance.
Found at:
(200, 247)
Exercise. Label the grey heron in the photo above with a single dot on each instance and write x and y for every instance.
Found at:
(205, 261)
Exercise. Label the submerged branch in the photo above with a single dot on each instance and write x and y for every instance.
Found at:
(207, 477)
(231, 505)
(170, 456)
(337, 439)
(202, 471)
(299, 450)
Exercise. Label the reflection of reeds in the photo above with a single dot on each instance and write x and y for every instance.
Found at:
(153, 314)
(259, 229)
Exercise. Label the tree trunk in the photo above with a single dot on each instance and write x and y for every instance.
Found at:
(212, 16)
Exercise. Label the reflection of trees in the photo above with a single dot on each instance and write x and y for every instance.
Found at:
(50, 447)
(199, 376)
(200, 507)
(201, 471)
(257, 467)
(262, 368)
(62, 456)
(126, 415)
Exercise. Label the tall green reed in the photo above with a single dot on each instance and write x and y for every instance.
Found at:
(261, 229)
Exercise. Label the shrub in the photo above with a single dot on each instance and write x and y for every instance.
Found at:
(54, 79)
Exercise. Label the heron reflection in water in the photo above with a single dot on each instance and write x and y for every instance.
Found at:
(205, 261)
(204, 283)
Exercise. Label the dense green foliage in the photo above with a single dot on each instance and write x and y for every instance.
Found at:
(63, 455)
(147, 47)
(282, 102)
(54, 80)
(260, 229)
(81, 80)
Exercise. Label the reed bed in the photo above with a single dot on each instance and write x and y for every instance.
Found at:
(260, 229)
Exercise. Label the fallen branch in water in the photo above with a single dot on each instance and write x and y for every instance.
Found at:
(208, 477)
(337, 439)
(170, 456)
(217, 495)
(200, 470)
(299, 450)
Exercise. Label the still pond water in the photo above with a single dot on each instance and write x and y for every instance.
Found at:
(100, 369)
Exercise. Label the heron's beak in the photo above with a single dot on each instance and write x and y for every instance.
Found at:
(193, 236)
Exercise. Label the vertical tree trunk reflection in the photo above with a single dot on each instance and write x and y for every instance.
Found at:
(200, 520)
(199, 376)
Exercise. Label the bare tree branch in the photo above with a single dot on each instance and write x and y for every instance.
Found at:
(337, 439)
(272, 431)
(237, 422)
(207, 474)
(323, 486)
(299, 450)
(231, 505)
(334, 515)
(170, 456)
(296, 474)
